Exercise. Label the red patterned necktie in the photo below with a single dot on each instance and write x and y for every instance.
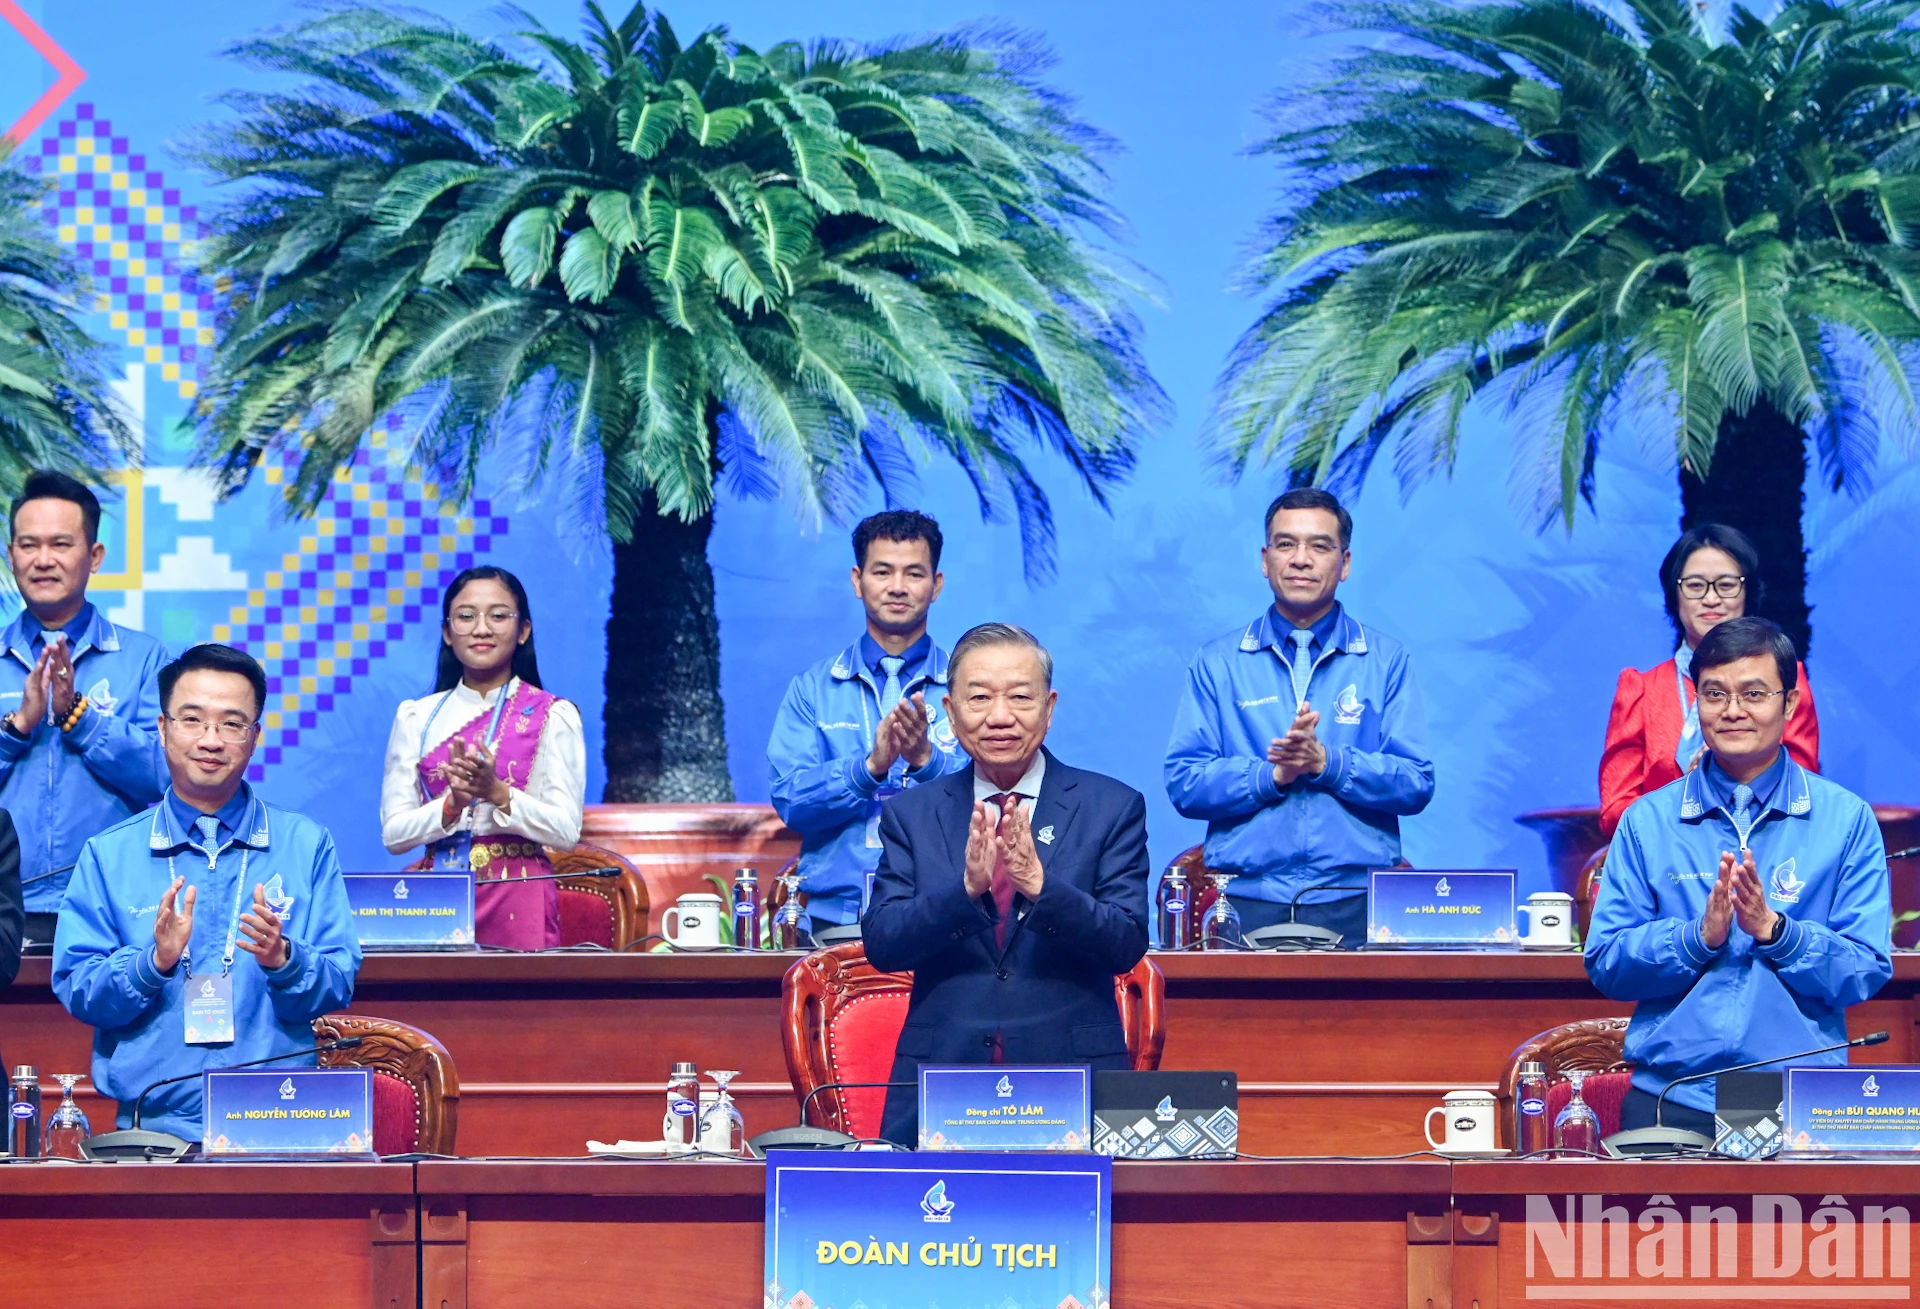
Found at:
(1001, 887)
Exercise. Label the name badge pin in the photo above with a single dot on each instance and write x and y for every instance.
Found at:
(1045, 835)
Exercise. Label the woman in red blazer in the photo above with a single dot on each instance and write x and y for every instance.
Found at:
(1653, 735)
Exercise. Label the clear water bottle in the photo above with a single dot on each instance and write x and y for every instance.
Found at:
(1577, 1128)
(1174, 893)
(746, 909)
(682, 1129)
(23, 1113)
(1530, 1127)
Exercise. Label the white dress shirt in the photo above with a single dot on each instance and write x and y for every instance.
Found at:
(1027, 788)
(549, 810)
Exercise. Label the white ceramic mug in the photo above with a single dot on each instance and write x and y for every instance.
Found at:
(1469, 1119)
(693, 921)
(1549, 920)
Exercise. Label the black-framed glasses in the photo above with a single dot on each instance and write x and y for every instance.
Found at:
(1695, 587)
(234, 731)
(466, 621)
(1752, 697)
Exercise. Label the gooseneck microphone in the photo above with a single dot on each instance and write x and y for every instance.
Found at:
(1294, 934)
(137, 1143)
(479, 882)
(1661, 1139)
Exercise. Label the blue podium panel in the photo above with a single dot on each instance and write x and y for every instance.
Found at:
(919, 1231)
(1406, 907)
(412, 911)
(1005, 1107)
(312, 1111)
(1853, 1109)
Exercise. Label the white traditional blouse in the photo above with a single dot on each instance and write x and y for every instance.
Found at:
(550, 810)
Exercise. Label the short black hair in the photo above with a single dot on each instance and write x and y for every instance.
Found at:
(896, 525)
(1743, 638)
(217, 659)
(1310, 497)
(47, 485)
(1714, 536)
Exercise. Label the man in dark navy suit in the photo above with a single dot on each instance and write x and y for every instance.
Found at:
(1013, 890)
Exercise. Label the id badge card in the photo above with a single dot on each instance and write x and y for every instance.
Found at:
(454, 853)
(210, 1009)
(886, 792)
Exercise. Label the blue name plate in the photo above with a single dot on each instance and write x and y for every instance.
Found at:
(432, 910)
(1459, 907)
(311, 1111)
(1853, 1109)
(1006, 1107)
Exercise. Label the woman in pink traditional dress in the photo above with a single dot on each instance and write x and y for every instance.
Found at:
(489, 770)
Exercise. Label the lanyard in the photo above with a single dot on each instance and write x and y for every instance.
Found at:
(1689, 744)
(233, 928)
(493, 724)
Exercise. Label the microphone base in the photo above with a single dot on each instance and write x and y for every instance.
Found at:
(135, 1143)
(839, 934)
(799, 1138)
(1294, 936)
(1655, 1140)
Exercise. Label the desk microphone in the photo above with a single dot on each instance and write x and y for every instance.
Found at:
(135, 1143)
(807, 1103)
(1661, 1139)
(1293, 934)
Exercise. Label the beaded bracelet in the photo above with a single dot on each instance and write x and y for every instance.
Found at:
(73, 718)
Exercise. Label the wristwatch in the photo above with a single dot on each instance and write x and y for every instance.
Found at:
(6, 725)
(1779, 929)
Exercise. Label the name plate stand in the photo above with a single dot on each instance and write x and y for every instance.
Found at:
(1006, 1107)
(1852, 1109)
(1467, 908)
(310, 1112)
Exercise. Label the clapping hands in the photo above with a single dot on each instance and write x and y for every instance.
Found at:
(1737, 896)
(991, 838)
(471, 778)
(902, 734)
(1299, 753)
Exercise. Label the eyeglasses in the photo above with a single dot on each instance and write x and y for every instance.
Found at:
(1696, 587)
(466, 621)
(1753, 697)
(233, 731)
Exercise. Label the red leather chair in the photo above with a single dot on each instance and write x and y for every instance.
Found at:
(416, 1092)
(1593, 1045)
(843, 1020)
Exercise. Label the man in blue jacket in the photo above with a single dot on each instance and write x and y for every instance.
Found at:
(857, 729)
(1301, 739)
(1747, 904)
(164, 908)
(78, 697)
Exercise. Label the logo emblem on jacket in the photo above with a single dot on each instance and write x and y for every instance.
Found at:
(1441, 889)
(1045, 835)
(100, 696)
(277, 898)
(1870, 1088)
(934, 1203)
(1786, 886)
(1348, 709)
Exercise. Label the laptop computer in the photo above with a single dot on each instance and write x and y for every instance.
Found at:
(412, 911)
(1424, 909)
(1178, 1115)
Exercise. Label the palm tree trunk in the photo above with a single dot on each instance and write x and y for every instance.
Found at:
(1757, 483)
(666, 726)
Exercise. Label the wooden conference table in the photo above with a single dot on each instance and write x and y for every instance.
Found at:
(1366, 1234)
(1337, 1053)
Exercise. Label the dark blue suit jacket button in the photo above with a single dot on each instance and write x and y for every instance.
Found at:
(1004, 974)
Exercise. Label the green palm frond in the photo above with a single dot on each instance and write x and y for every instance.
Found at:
(1541, 195)
(626, 241)
(57, 409)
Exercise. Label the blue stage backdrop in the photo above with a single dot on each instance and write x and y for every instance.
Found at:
(1517, 637)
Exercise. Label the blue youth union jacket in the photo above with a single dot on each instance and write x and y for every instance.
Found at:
(1329, 829)
(817, 759)
(103, 953)
(62, 787)
(1819, 854)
